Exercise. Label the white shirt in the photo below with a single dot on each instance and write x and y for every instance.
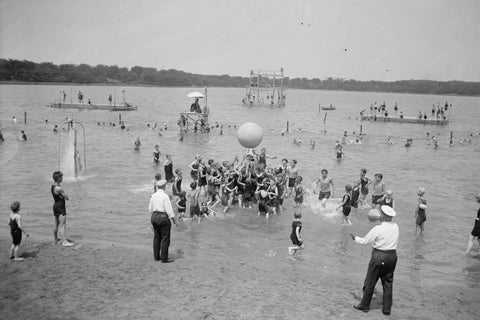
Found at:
(383, 236)
(160, 201)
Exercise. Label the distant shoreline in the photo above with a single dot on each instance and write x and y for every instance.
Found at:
(163, 86)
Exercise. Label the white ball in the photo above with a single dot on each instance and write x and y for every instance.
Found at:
(250, 135)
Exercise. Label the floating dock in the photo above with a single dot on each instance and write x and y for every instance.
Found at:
(374, 118)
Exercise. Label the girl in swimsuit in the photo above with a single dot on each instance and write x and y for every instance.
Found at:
(420, 214)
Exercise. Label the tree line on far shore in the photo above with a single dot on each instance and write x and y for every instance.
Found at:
(12, 70)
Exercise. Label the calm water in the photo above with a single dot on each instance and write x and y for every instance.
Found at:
(108, 203)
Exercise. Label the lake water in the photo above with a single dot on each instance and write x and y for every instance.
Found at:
(108, 204)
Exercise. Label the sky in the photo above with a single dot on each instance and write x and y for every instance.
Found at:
(355, 39)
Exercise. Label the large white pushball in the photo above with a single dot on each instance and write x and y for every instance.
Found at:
(373, 215)
(250, 135)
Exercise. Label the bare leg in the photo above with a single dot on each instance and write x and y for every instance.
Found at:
(55, 229)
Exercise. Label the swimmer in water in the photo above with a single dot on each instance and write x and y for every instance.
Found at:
(378, 190)
(137, 144)
(295, 235)
(408, 143)
(327, 188)
(156, 154)
(158, 177)
(339, 153)
(390, 141)
(23, 137)
(346, 204)
(420, 214)
(364, 182)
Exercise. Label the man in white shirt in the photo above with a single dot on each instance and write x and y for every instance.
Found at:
(162, 215)
(384, 239)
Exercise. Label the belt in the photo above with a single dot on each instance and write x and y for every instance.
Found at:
(384, 251)
(159, 212)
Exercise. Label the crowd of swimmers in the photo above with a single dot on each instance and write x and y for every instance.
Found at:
(251, 182)
(438, 112)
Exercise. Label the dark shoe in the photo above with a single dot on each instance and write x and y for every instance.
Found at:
(387, 313)
(156, 259)
(361, 308)
(167, 261)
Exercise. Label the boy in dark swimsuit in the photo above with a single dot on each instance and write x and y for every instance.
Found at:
(295, 235)
(16, 230)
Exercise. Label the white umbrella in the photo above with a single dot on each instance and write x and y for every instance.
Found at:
(195, 94)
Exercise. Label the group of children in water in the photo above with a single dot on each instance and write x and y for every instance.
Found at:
(250, 181)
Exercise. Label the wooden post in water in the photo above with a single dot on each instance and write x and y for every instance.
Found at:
(451, 137)
(360, 129)
(319, 108)
(119, 118)
(287, 127)
(25, 117)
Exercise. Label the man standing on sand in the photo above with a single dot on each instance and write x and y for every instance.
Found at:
(384, 239)
(162, 215)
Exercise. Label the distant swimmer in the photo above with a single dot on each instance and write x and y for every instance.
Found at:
(137, 144)
(1, 137)
(475, 234)
(420, 212)
(408, 143)
(14, 120)
(339, 153)
(156, 154)
(23, 136)
(390, 141)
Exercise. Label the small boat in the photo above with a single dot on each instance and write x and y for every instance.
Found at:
(376, 118)
(331, 107)
(91, 106)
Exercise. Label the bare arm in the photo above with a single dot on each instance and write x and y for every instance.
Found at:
(297, 232)
(60, 191)
(19, 223)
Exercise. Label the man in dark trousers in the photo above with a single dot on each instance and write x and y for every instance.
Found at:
(384, 240)
(162, 217)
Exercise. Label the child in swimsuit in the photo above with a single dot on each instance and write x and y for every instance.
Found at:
(181, 204)
(16, 230)
(387, 200)
(378, 190)
(346, 204)
(295, 235)
(420, 214)
(298, 192)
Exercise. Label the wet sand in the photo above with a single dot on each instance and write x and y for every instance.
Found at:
(108, 281)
